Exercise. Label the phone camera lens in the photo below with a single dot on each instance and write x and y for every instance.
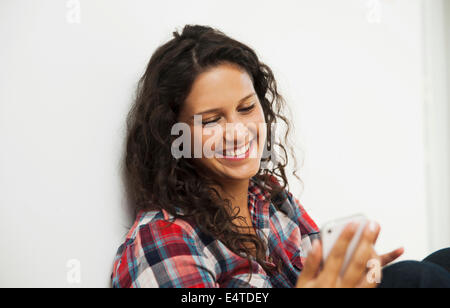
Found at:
(329, 231)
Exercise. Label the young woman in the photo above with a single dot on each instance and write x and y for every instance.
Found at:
(227, 219)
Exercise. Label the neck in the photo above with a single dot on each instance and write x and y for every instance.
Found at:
(237, 192)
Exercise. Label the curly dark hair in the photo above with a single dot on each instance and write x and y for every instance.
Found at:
(155, 180)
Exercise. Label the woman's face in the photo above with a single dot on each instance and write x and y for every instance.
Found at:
(231, 131)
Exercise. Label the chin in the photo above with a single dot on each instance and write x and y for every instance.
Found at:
(239, 173)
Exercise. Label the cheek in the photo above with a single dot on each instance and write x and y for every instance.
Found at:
(204, 139)
(259, 120)
(212, 138)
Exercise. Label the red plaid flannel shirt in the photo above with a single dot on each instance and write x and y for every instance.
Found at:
(157, 253)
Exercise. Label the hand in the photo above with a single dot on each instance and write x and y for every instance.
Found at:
(356, 272)
(382, 260)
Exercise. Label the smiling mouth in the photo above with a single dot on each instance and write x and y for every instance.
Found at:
(237, 153)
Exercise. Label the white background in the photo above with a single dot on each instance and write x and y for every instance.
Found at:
(353, 75)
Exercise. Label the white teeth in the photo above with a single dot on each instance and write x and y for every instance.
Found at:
(230, 153)
(240, 151)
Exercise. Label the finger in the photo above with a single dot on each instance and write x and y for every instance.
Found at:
(366, 283)
(391, 256)
(376, 237)
(373, 277)
(372, 230)
(312, 263)
(333, 264)
(364, 251)
(357, 267)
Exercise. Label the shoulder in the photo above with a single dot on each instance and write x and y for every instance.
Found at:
(155, 247)
(299, 213)
(161, 226)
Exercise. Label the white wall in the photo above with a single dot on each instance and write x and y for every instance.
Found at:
(355, 86)
(437, 119)
(358, 93)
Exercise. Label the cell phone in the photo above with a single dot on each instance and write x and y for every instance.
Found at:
(333, 229)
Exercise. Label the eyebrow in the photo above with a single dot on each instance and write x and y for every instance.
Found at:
(217, 109)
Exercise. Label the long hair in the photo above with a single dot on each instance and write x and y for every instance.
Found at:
(155, 180)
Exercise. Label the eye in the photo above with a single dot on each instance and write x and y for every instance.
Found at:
(247, 108)
(206, 122)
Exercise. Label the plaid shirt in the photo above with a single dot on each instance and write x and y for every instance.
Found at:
(157, 253)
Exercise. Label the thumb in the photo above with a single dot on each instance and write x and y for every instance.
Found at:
(391, 256)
